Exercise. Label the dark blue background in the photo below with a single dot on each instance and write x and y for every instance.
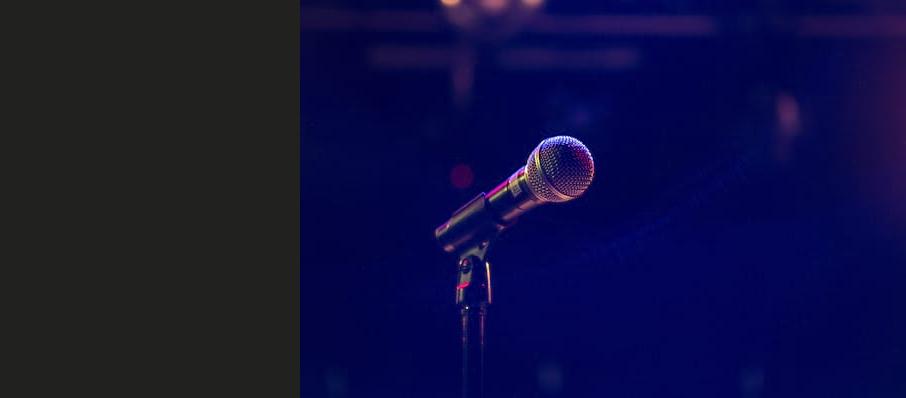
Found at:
(700, 263)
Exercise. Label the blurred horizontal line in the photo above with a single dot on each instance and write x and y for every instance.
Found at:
(335, 19)
(692, 25)
(533, 58)
(837, 26)
(426, 21)
(544, 58)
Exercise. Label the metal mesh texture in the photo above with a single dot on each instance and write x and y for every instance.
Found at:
(566, 169)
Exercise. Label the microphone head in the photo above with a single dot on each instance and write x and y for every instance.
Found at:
(559, 169)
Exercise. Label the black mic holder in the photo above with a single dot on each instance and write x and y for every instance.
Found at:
(473, 287)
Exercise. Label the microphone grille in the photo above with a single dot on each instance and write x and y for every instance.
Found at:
(559, 169)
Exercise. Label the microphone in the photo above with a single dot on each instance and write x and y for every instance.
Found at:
(559, 169)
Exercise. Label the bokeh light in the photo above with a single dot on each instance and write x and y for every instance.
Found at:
(494, 6)
(461, 176)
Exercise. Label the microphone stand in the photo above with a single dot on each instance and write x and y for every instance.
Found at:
(469, 233)
(472, 228)
(473, 295)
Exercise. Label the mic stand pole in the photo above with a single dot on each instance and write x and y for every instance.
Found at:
(468, 233)
(473, 295)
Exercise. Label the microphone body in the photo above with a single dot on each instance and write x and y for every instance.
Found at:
(487, 214)
(558, 170)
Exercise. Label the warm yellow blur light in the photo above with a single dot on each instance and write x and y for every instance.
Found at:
(494, 6)
(450, 3)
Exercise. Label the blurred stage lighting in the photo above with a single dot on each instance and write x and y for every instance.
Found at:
(461, 176)
(490, 20)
